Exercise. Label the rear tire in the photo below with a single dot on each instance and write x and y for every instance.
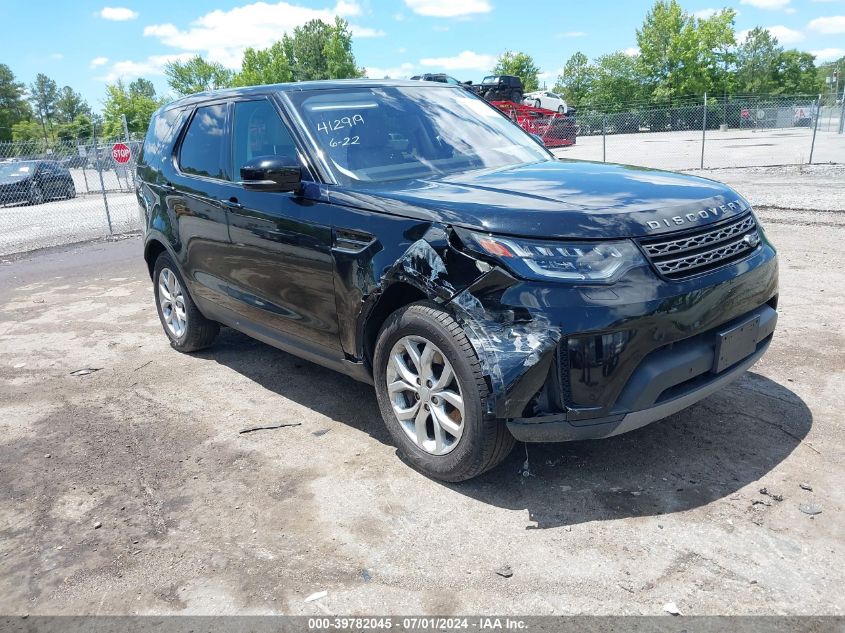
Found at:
(516, 96)
(538, 103)
(36, 194)
(187, 329)
(468, 442)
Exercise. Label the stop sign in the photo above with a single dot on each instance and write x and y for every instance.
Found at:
(121, 153)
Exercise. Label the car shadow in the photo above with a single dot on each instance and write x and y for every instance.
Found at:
(704, 453)
(325, 391)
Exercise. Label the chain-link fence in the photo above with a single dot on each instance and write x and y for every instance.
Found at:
(713, 133)
(62, 192)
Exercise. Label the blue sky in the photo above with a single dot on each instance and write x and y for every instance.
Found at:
(87, 44)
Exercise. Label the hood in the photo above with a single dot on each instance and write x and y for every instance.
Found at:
(14, 179)
(556, 199)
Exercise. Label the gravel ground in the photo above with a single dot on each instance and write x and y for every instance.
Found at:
(130, 489)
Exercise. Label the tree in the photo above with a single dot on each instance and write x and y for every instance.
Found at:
(717, 39)
(137, 101)
(756, 62)
(82, 127)
(197, 75)
(266, 66)
(576, 80)
(616, 82)
(13, 105)
(27, 131)
(43, 93)
(317, 50)
(521, 65)
(795, 74)
(70, 105)
(340, 61)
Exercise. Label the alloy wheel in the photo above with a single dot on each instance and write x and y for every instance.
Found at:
(425, 394)
(171, 298)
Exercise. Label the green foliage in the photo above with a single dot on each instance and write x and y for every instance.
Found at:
(266, 66)
(137, 101)
(795, 74)
(756, 61)
(197, 75)
(70, 105)
(27, 131)
(617, 81)
(521, 65)
(81, 128)
(576, 81)
(340, 61)
(13, 105)
(43, 93)
(317, 50)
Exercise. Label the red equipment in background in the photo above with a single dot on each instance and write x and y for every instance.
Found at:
(555, 130)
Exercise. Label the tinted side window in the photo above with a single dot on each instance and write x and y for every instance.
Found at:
(158, 134)
(258, 131)
(202, 148)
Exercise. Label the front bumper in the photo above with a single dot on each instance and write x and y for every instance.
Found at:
(568, 362)
(670, 380)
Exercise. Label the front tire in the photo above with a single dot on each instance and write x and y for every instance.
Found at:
(433, 397)
(187, 329)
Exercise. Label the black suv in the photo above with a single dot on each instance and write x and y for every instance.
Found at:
(412, 236)
(500, 88)
(34, 182)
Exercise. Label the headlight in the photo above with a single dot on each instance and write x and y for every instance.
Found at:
(592, 262)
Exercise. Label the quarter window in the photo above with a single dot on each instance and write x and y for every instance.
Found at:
(259, 132)
(203, 145)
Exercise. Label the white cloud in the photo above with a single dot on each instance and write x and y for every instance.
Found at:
(99, 61)
(633, 51)
(153, 65)
(365, 31)
(550, 74)
(828, 54)
(466, 60)
(117, 14)
(766, 4)
(830, 25)
(57, 56)
(448, 8)
(703, 14)
(785, 35)
(402, 71)
(571, 34)
(223, 35)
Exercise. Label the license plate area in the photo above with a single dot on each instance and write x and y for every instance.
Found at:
(735, 344)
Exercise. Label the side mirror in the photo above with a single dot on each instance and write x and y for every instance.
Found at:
(271, 173)
(468, 83)
(539, 139)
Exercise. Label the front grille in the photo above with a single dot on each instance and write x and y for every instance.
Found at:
(678, 256)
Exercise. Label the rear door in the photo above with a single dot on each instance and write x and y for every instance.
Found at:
(197, 182)
(280, 262)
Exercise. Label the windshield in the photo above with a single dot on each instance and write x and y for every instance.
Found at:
(385, 133)
(492, 79)
(15, 169)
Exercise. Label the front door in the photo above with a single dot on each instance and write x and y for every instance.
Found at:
(280, 264)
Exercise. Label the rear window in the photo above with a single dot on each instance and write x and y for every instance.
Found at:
(158, 135)
(204, 143)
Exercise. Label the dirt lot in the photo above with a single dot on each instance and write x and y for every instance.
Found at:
(130, 490)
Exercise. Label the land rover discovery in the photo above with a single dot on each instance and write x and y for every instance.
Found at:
(410, 235)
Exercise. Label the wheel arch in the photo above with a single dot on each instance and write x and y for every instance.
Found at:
(396, 296)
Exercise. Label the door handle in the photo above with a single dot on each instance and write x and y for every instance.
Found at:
(232, 203)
